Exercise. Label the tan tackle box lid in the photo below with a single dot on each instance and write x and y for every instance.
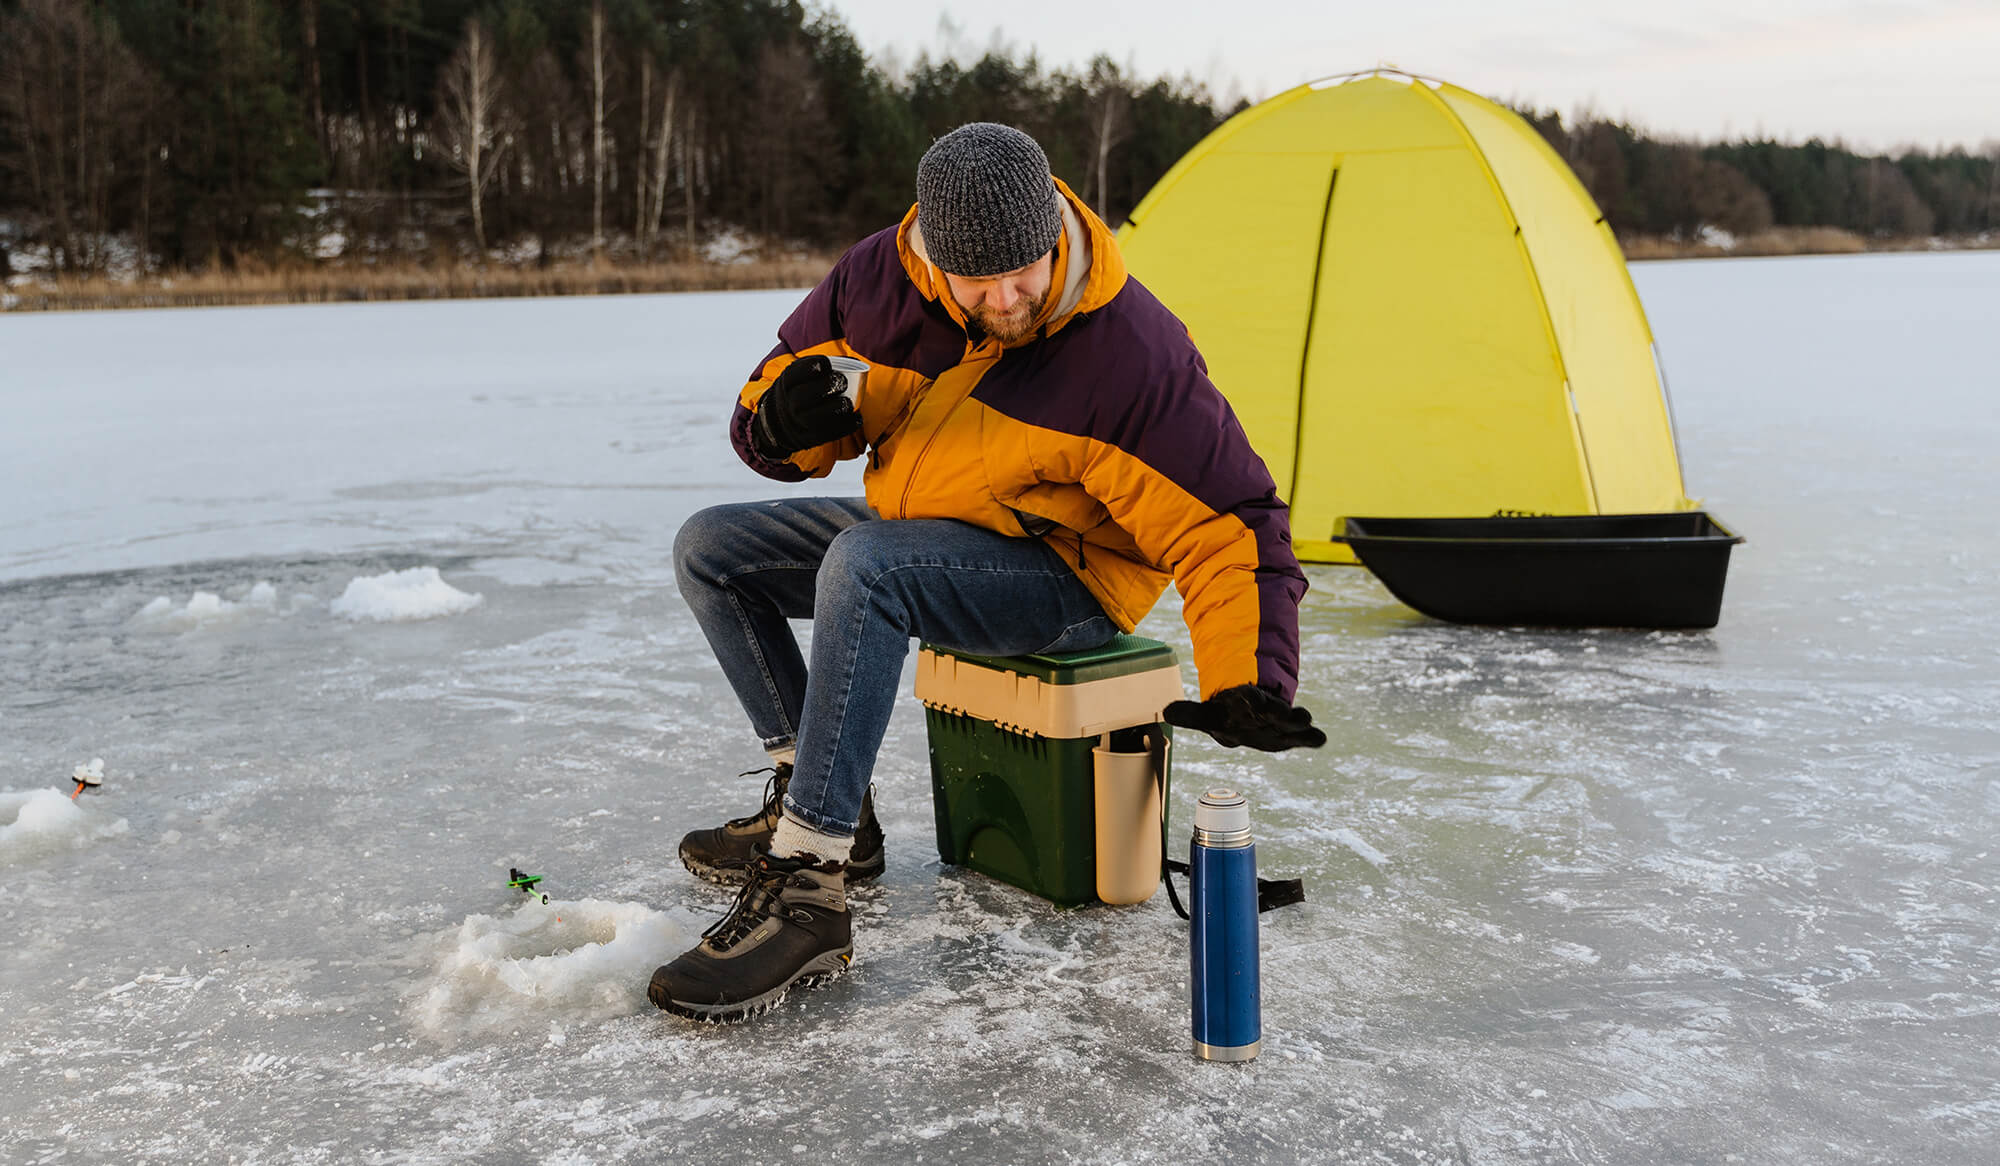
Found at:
(1125, 682)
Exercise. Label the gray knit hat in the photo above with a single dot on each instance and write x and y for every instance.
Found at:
(985, 201)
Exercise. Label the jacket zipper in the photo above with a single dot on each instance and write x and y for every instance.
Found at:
(910, 483)
(909, 408)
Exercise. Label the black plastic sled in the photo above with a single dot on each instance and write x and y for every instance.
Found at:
(1593, 570)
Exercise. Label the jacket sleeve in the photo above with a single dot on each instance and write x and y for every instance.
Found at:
(813, 327)
(1177, 473)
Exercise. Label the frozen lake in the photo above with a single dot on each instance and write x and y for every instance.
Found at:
(1604, 897)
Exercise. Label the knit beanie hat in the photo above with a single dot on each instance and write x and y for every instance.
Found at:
(985, 201)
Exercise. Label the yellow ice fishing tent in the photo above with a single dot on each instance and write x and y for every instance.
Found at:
(1414, 307)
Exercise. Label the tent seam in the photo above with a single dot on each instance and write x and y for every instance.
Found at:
(1312, 318)
(1609, 240)
(1535, 278)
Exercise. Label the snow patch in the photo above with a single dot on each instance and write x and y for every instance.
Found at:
(1714, 236)
(205, 607)
(37, 822)
(571, 960)
(729, 246)
(418, 593)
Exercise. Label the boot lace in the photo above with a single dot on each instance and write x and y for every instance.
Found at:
(774, 792)
(756, 902)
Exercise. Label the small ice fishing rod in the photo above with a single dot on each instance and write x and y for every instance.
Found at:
(525, 883)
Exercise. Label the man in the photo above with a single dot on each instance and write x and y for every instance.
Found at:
(1045, 452)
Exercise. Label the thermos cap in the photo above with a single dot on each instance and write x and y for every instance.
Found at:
(1222, 811)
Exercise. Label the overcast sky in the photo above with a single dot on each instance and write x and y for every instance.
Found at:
(1878, 75)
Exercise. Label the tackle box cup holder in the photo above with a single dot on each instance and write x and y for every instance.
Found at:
(1049, 772)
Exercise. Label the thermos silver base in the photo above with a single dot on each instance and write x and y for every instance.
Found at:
(1228, 1052)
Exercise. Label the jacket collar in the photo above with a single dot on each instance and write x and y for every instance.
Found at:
(1088, 267)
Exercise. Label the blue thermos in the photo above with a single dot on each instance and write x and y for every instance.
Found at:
(1222, 865)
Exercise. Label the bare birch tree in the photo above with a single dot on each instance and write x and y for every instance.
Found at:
(639, 201)
(662, 146)
(594, 51)
(309, 28)
(690, 165)
(74, 98)
(1111, 123)
(470, 125)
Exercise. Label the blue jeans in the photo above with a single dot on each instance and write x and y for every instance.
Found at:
(868, 585)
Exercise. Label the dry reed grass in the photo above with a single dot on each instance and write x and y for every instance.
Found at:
(302, 284)
(1792, 241)
(339, 283)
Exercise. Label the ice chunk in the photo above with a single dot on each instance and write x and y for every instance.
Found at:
(205, 607)
(35, 822)
(1354, 842)
(418, 593)
(578, 960)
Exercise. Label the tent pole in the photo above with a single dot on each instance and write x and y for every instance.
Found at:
(1305, 357)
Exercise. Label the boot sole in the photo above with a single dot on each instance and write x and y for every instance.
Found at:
(736, 876)
(818, 970)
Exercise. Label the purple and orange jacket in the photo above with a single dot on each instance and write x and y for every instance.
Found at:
(1099, 433)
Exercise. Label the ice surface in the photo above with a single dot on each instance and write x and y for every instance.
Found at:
(399, 596)
(1574, 897)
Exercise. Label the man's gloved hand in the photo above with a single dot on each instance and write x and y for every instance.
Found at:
(802, 408)
(1248, 715)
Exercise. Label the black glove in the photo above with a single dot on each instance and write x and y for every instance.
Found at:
(803, 408)
(1248, 715)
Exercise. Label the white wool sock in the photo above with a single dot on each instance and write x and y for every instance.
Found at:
(793, 838)
(789, 755)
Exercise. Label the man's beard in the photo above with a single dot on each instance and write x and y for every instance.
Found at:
(1014, 325)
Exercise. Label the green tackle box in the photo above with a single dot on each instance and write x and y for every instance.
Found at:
(1017, 744)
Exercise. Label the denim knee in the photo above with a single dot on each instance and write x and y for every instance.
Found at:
(853, 564)
(697, 540)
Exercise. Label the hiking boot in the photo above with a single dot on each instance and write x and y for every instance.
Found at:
(723, 854)
(789, 926)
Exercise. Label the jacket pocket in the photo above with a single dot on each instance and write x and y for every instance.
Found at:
(1034, 525)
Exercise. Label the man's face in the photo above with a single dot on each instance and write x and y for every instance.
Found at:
(1005, 306)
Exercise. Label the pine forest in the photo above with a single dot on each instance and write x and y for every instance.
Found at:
(148, 136)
